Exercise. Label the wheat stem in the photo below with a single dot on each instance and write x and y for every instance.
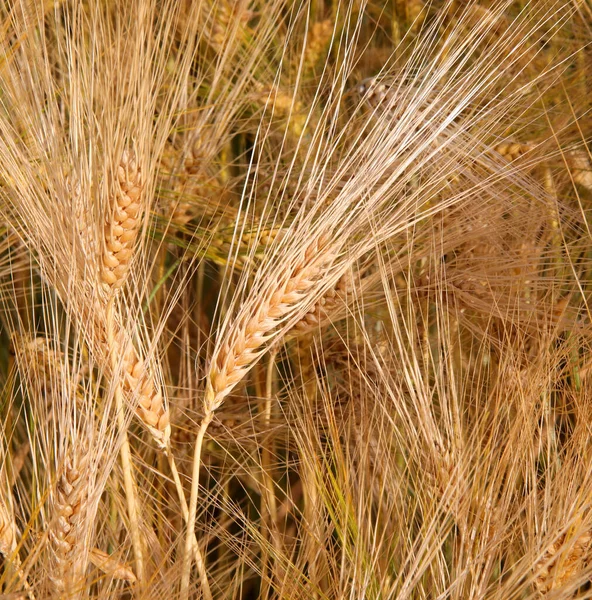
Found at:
(186, 572)
(197, 553)
(268, 500)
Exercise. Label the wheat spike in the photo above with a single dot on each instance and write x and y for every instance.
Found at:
(253, 329)
(318, 40)
(122, 222)
(139, 383)
(66, 530)
(228, 13)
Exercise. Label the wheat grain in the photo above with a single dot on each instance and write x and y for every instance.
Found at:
(111, 566)
(513, 150)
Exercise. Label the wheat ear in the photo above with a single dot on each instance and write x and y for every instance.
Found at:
(138, 384)
(122, 222)
(66, 530)
(253, 330)
(249, 336)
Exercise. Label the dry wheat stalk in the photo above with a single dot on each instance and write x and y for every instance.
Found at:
(111, 566)
(556, 568)
(66, 531)
(247, 340)
(120, 231)
(122, 222)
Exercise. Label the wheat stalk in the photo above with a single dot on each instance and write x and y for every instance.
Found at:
(120, 231)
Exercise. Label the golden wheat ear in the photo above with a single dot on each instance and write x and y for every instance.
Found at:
(257, 322)
(140, 387)
(122, 222)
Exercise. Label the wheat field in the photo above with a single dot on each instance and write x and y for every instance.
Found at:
(295, 299)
